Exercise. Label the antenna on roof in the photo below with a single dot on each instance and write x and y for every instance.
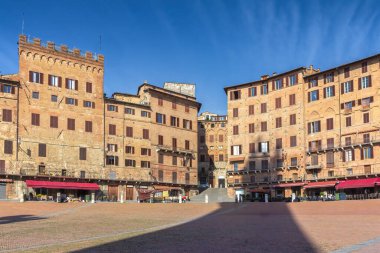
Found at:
(100, 43)
(22, 25)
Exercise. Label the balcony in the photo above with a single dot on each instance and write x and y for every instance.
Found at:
(176, 150)
(344, 173)
(314, 166)
(259, 155)
(293, 166)
(365, 107)
(238, 172)
(366, 141)
(347, 110)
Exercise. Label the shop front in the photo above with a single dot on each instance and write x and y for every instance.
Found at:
(359, 188)
(258, 194)
(168, 194)
(320, 190)
(59, 191)
(289, 191)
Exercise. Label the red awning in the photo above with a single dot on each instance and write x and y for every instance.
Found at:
(61, 185)
(258, 190)
(289, 185)
(324, 184)
(167, 188)
(358, 183)
(145, 193)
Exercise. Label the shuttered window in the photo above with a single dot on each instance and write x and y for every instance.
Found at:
(2, 166)
(70, 124)
(330, 159)
(252, 148)
(235, 95)
(112, 129)
(55, 81)
(146, 134)
(160, 158)
(53, 121)
(292, 119)
(251, 110)
(278, 103)
(129, 131)
(293, 141)
(364, 67)
(42, 150)
(278, 122)
(71, 84)
(7, 115)
(82, 154)
(251, 127)
(160, 140)
(366, 117)
(35, 119)
(330, 142)
(263, 107)
(330, 123)
(89, 87)
(292, 99)
(348, 121)
(347, 72)
(235, 112)
(264, 127)
(129, 149)
(36, 77)
(235, 130)
(88, 126)
(8, 147)
(279, 143)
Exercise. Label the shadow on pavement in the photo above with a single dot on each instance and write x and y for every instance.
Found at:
(244, 227)
(18, 218)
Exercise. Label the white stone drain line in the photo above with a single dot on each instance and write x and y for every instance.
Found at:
(122, 232)
(358, 246)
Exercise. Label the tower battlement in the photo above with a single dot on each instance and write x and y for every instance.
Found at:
(63, 50)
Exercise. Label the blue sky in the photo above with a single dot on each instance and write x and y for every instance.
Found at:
(210, 43)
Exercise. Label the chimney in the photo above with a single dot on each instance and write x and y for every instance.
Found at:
(274, 73)
(311, 67)
(264, 77)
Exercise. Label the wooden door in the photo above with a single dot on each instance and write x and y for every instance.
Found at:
(129, 193)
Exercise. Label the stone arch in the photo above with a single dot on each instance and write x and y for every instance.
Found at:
(315, 115)
(43, 58)
(330, 111)
(36, 56)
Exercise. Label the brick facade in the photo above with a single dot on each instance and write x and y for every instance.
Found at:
(66, 129)
(290, 128)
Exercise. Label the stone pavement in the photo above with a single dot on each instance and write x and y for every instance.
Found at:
(228, 227)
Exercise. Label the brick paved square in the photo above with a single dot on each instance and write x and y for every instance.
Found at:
(226, 227)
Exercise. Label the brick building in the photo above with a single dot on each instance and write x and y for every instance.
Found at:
(289, 132)
(212, 165)
(61, 134)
